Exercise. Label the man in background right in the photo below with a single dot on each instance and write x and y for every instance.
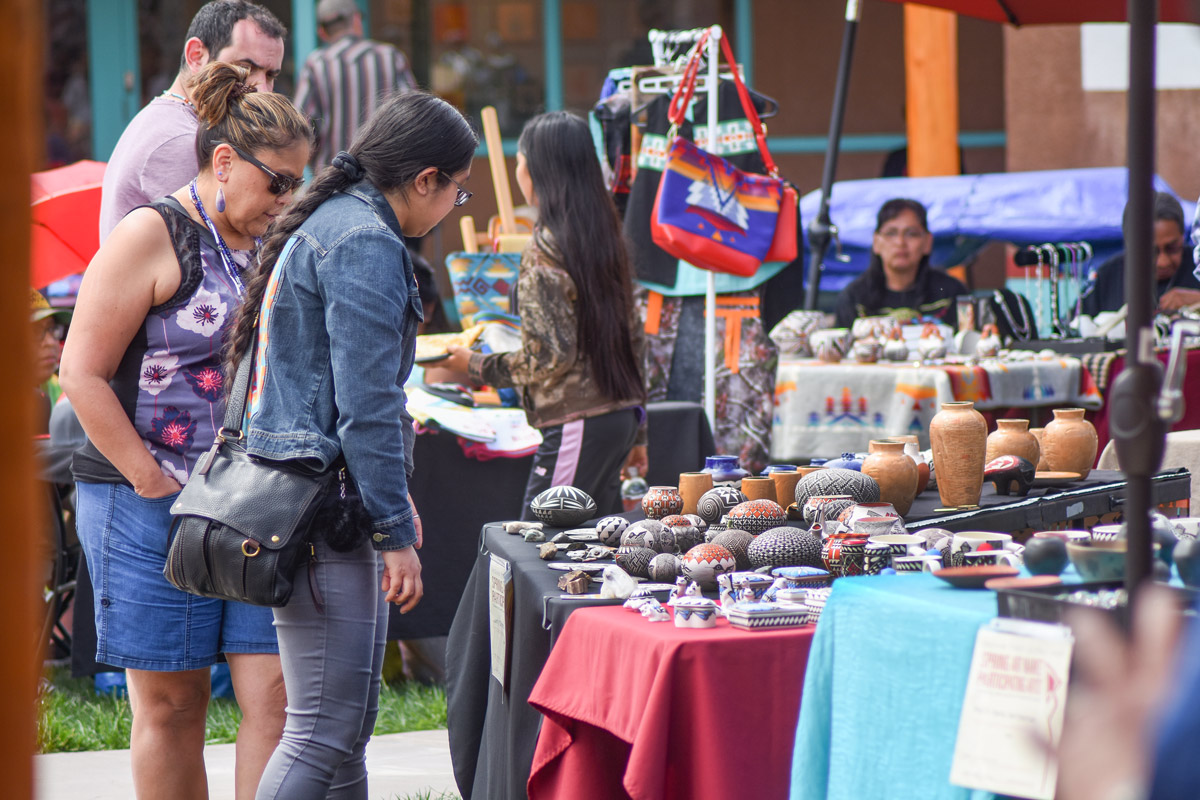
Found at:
(343, 81)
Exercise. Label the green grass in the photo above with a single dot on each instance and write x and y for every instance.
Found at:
(73, 718)
(427, 794)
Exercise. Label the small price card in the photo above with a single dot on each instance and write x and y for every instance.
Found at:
(500, 615)
(1015, 698)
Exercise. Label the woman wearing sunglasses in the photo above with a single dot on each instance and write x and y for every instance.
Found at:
(332, 318)
(143, 369)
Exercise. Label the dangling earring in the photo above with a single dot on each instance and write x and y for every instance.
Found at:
(220, 199)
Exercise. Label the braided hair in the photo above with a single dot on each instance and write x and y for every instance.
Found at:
(409, 133)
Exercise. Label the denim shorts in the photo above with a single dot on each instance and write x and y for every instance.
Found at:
(142, 621)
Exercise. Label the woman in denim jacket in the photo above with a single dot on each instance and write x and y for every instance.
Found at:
(333, 317)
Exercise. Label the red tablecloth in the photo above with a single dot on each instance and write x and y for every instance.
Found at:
(1191, 396)
(647, 710)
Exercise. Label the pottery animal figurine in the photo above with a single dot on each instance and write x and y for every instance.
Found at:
(895, 348)
(756, 516)
(1046, 556)
(989, 343)
(931, 345)
(704, 562)
(1010, 475)
(1012, 438)
(959, 436)
(862, 488)
(563, 506)
(895, 473)
(609, 530)
(661, 501)
(738, 543)
(1069, 442)
(717, 502)
(785, 547)
(830, 345)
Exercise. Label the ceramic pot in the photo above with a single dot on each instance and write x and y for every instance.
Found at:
(1070, 442)
(724, 470)
(717, 502)
(738, 543)
(785, 547)
(830, 344)
(563, 506)
(756, 516)
(785, 486)
(1012, 438)
(1036, 433)
(825, 506)
(849, 518)
(692, 486)
(862, 488)
(895, 473)
(868, 526)
(704, 562)
(959, 436)
(758, 488)
(662, 501)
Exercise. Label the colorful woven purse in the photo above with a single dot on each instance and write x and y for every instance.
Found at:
(712, 214)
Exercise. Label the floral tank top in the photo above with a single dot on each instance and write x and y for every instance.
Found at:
(170, 381)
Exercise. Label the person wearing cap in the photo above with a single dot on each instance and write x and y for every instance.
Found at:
(343, 82)
(46, 344)
(1176, 285)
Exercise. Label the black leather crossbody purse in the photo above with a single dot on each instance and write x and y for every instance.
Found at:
(242, 524)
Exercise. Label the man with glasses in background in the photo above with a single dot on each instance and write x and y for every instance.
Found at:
(156, 154)
(1176, 285)
(343, 81)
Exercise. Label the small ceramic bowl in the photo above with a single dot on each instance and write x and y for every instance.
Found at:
(1099, 561)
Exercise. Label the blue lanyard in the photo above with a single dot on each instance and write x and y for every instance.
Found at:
(222, 248)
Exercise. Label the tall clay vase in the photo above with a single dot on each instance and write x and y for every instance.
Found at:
(1041, 462)
(691, 486)
(895, 473)
(1012, 438)
(1069, 443)
(912, 448)
(959, 436)
(785, 486)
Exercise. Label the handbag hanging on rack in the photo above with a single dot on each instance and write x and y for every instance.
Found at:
(242, 524)
(712, 214)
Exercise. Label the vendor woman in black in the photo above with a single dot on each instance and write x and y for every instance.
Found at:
(899, 282)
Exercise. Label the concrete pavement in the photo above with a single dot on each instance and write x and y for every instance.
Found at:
(400, 765)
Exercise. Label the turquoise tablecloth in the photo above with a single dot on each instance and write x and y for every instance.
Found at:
(884, 689)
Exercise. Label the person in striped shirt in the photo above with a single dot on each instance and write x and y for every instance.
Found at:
(343, 81)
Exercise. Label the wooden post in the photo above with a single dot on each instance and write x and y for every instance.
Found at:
(21, 60)
(931, 78)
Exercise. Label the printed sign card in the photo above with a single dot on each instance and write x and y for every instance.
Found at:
(1015, 698)
(500, 616)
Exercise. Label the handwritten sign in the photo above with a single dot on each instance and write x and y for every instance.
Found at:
(1016, 694)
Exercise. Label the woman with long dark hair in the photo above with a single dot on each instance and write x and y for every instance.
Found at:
(899, 282)
(579, 369)
(332, 318)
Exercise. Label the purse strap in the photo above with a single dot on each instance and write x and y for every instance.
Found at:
(687, 88)
(235, 406)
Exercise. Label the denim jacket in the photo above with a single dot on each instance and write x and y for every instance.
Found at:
(336, 339)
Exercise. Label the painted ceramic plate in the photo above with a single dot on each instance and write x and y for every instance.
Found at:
(974, 577)
(582, 566)
(1055, 478)
(1034, 581)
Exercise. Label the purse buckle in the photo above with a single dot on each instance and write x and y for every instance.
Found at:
(251, 553)
(224, 435)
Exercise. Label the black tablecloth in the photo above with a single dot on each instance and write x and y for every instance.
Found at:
(493, 733)
(456, 495)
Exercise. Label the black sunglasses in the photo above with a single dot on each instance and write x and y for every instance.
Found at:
(463, 195)
(280, 184)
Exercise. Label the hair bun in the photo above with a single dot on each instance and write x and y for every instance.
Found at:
(240, 90)
(349, 165)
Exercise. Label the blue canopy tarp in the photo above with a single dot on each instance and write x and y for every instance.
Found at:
(967, 211)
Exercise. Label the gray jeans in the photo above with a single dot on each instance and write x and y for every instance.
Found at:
(331, 667)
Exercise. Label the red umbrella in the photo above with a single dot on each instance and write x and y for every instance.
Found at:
(66, 220)
(1049, 12)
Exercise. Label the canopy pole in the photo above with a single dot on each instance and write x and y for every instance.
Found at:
(1137, 428)
(931, 90)
(710, 288)
(821, 229)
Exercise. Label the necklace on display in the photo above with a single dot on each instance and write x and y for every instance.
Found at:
(222, 248)
(1022, 331)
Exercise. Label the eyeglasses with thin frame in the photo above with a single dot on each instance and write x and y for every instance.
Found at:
(280, 184)
(463, 195)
